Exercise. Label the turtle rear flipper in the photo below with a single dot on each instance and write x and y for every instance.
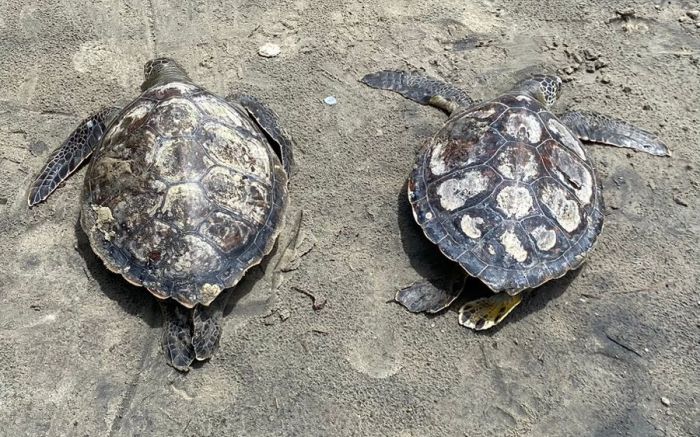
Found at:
(268, 121)
(599, 128)
(190, 334)
(177, 335)
(422, 89)
(484, 313)
(427, 297)
(73, 152)
(206, 322)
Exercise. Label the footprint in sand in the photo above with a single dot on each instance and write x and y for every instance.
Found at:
(376, 352)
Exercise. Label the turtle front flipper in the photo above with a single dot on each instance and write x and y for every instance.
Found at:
(73, 152)
(427, 297)
(206, 322)
(599, 128)
(484, 313)
(422, 89)
(268, 121)
(177, 335)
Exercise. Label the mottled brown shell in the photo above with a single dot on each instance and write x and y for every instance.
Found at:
(184, 194)
(509, 193)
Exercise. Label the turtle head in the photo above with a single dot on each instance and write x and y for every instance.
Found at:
(546, 88)
(160, 71)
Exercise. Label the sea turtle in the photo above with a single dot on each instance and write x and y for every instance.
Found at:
(184, 193)
(505, 188)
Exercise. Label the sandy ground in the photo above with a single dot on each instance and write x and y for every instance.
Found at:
(591, 354)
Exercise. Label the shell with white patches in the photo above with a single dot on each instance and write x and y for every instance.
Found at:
(514, 201)
(454, 193)
(513, 246)
(562, 206)
(506, 191)
(544, 238)
(195, 194)
(470, 225)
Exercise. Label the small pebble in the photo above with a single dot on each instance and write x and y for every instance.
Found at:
(665, 401)
(330, 101)
(590, 68)
(569, 70)
(285, 314)
(605, 79)
(269, 50)
(680, 201)
(590, 56)
(625, 13)
(693, 14)
(577, 58)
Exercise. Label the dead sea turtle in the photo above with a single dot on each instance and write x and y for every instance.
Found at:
(506, 189)
(185, 191)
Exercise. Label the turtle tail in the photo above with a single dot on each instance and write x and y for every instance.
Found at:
(421, 89)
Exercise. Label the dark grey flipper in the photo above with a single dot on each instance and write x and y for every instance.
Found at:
(268, 121)
(427, 297)
(191, 333)
(206, 332)
(599, 128)
(73, 152)
(177, 335)
(422, 89)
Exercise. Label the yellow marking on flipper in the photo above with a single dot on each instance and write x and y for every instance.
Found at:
(487, 312)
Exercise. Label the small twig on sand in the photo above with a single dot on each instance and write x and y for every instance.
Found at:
(622, 345)
(611, 293)
(314, 304)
